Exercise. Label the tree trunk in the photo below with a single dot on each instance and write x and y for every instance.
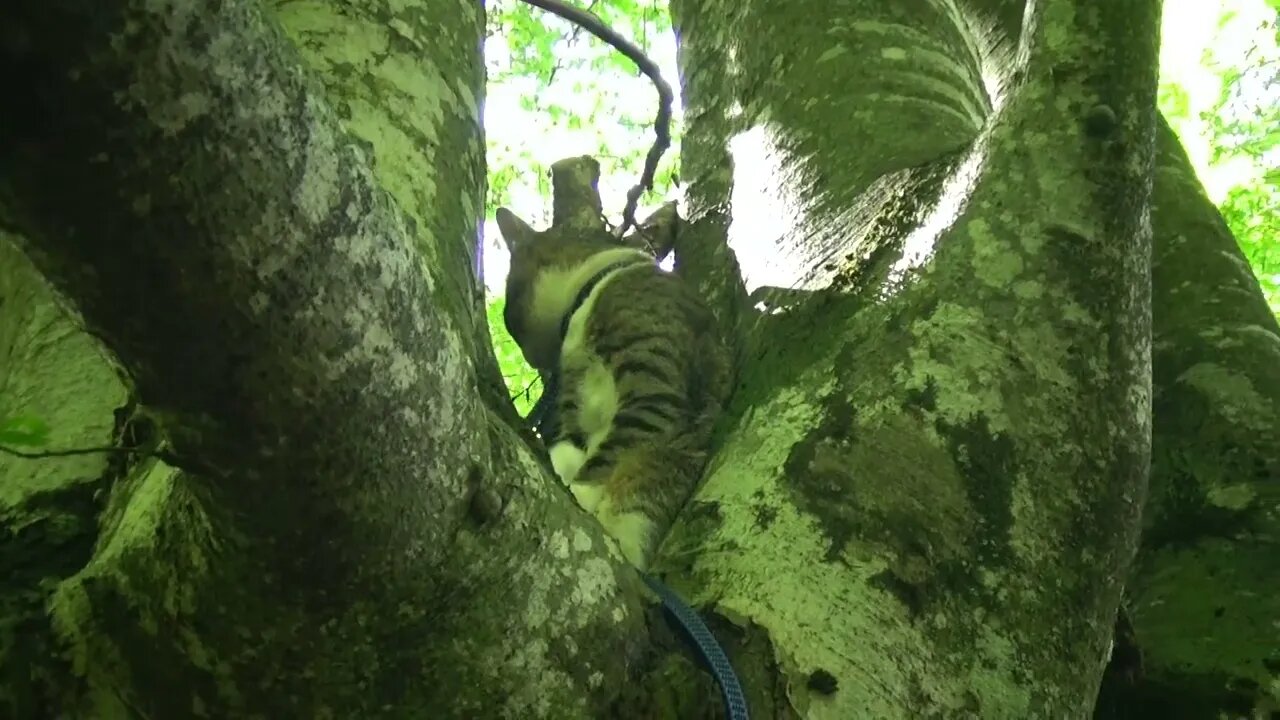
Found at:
(927, 490)
(342, 527)
(1202, 599)
(52, 370)
(929, 495)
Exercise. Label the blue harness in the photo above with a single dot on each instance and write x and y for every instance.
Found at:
(544, 420)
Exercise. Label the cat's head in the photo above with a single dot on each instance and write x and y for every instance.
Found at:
(547, 270)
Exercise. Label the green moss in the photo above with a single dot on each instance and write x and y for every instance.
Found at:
(986, 463)
(1209, 629)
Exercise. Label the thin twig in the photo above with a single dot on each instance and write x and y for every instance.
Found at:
(37, 455)
(661, 124)
(157, 453)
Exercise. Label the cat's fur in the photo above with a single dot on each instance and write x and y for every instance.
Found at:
(643, 373)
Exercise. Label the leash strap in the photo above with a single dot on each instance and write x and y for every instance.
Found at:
(543, 417)
(713, 657)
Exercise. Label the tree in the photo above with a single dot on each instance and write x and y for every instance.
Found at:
(1220, 78)
(927, 492)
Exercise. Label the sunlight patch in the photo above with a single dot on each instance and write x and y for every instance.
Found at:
(765, 209)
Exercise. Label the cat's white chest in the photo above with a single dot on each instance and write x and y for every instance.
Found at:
(597, 393)
(553, 293)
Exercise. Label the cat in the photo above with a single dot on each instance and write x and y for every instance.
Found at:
(641, 369)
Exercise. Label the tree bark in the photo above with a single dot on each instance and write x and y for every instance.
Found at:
(1202, 598)
(349, 531)
(947, 442)
(52, 370)
(927, 491)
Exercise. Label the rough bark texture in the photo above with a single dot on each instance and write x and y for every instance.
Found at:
(927, 491)
(347, 513)
(913, 486)
(1202, 599)
(52, 370)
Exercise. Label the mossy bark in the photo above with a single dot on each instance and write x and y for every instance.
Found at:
(945, 442)
(347, 523)
(925, 496)
(1201, 600)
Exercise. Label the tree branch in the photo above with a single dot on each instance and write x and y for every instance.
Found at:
(172, 170)
(227, 241)
(661, 123)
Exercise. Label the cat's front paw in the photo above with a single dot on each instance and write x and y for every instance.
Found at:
(567, 459)
(588, 494)
(634, 532)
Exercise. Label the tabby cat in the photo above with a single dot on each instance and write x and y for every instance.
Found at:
(641, 368)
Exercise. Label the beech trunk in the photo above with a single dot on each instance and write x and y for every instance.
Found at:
(979, 295)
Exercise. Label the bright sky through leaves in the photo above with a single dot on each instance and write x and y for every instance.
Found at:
(557, 92)
(596, 104)
(1198, 39)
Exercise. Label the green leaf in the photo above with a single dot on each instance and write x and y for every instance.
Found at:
(23, 430)
(1174, 101)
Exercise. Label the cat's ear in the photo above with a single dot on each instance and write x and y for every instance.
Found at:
(514, 230)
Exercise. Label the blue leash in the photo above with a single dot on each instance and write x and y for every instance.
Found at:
(713, 657)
